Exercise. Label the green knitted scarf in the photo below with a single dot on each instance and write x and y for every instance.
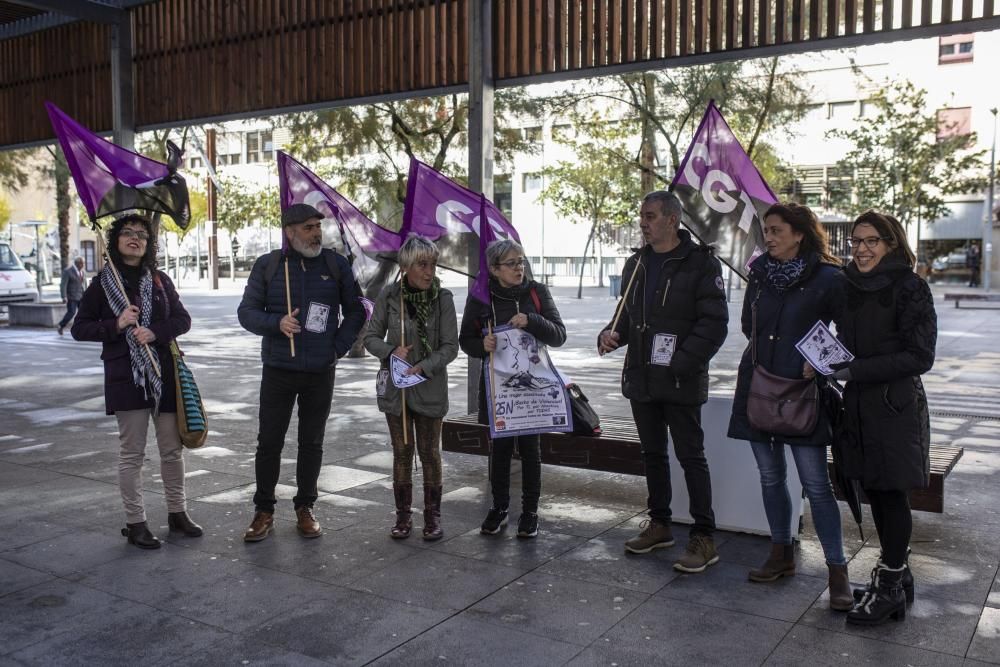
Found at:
(422, 301)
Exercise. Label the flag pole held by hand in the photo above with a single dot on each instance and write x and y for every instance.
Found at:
(493, 403)
(402, 343)
(288, 302)
(621, 303)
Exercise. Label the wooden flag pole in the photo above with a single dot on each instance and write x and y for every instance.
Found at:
(288, 302)
(402, 343)
(493, 404)
(121, 286)
(621, 304)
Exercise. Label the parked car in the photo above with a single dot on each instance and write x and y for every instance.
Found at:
(16, 284)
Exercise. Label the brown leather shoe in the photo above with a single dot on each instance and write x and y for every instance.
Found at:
(260, 527)
(307, 524)
(781, 563)
(841, 598)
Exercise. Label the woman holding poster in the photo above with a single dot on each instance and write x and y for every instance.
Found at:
(528, 306)
(890, 326)
(796, 283)
(414, 321)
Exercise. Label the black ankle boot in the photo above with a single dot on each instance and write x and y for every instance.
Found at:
(907, 581)
(139, 535)
(884, 600)
(182, 523)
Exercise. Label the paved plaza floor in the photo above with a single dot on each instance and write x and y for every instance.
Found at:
(73, 592)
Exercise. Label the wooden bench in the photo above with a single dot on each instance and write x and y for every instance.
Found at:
(971, 296)
(618, 450)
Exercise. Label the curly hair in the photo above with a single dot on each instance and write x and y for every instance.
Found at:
(803, 220)
(891, 231)
(115, 230)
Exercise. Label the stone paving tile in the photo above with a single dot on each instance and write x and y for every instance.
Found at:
(986, 642)
(13, 475)
(993, 600)
(752, 550)
(436, 580)
(461, 640)
(15, 577)
(507, 549)
(962, 581)
(335, 478)
(197, 483)
(932, 624)
(100, 639)
(603, 560)
(246, 650)
(679, 632)
(557, 607)
(725, 585)
(30, 526)
(75, 551)
(347, 627)
(822, 648)
(954, 541)
(571, 515)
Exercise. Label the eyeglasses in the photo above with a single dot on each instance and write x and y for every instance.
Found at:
(513, 263)
(133, 234)
(869, 242)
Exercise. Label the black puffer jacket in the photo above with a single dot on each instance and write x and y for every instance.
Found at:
(783, 318)
(546, 326)
(690, 303)
(890, 326)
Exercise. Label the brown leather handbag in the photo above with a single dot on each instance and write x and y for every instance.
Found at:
(782, 406)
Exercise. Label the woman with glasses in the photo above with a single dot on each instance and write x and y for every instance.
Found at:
(425, 311)
(890, 326)
(796, 283)
(135, 326)
(512, 301)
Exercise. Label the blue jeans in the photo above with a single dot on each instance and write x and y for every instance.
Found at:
(810, 461)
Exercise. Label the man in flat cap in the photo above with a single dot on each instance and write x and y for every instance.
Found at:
(301, 342)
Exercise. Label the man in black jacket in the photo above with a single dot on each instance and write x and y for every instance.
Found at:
(320, 284)
(674, 318)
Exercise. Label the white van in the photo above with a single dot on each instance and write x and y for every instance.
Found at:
(16, 284)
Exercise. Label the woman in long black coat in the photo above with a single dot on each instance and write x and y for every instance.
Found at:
(890, 326)
(132, 390)
(524, 304)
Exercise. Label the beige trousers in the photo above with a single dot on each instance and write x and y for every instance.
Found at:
(133, 426)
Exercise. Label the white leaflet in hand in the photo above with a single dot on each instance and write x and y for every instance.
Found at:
(399, 377)
(822, 349)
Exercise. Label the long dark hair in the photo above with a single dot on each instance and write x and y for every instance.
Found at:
(803, 220)
(114, 231)
(891, 231)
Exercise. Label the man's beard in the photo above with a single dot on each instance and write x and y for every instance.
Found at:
(305, 249)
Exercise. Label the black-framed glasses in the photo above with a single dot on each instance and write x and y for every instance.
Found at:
(514, 263)
(869, 242)
(134, 234)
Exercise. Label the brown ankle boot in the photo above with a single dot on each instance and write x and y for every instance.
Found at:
(432, 513)
(403, 494)
(841, 598)
(781, 563)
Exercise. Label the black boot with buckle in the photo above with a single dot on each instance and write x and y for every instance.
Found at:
(139, 535)
(884, 600)
(907, 580)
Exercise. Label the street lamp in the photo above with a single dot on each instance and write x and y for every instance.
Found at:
(988, 228)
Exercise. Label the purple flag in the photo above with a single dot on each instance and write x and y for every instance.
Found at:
(111, 179)
(437, 205)
(363, 239)
(481, 286)
(723, 194)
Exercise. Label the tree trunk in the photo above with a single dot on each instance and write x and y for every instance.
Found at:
(63, 202)
(583, 264)
(647, 153)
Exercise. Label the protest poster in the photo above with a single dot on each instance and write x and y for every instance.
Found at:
(525, 392)
(822, 349)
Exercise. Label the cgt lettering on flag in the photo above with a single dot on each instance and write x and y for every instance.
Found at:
(718, 199)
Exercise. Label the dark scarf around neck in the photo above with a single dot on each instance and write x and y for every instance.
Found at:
(422, 301)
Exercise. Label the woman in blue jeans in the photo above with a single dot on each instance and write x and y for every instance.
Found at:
(794, 284)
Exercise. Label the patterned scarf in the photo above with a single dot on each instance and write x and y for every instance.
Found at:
(782, 275)
(422, 300)
(142, 368)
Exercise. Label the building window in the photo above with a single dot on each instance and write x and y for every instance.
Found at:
(955, 49)
(533, 134)
(562, 132)
(843, 110)
(195, 163)
(232, 158)
(260, 147)
(531, 182)
(954, 122)
(869, 109)
(89, 253)
(503, 195)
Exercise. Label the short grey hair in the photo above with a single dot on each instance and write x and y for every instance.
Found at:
(500, 249)
(77, 259)
(416, 248)
(668, 201)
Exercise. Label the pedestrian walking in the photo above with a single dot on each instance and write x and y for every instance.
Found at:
(890, 326)
(135, 321)
(673, 317)
(796, 283)
(414, 320)
(71, 289)
(524, 304)
(292, 301)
